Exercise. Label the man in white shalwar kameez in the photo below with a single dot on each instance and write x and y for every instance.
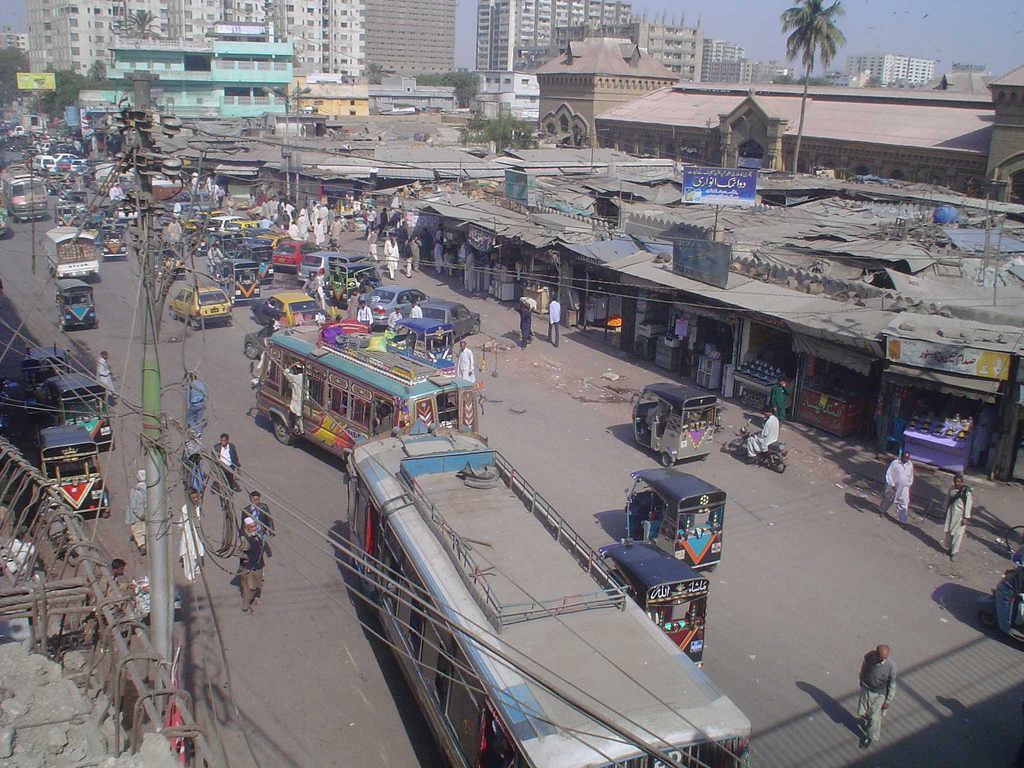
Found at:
(898, 479)
(190, 547)
(296, 377)
(465, 368)
(769, 434)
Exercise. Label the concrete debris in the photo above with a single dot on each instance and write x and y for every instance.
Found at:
(608, 375)
(6, 743)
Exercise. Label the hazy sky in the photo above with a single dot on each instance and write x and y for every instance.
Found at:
(987, 32)
(984, 31)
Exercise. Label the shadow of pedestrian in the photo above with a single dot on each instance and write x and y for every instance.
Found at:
(860, 503)
(955, 707)
(835, 711)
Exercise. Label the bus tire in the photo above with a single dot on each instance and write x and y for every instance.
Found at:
(250, 351)
(284, 435)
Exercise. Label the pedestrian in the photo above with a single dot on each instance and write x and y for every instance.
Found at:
(364, 315)
(371, 223)
(959, 502)
(438, 254)
(391, 256)
(104, 375)
(554, 318)
(195, 396)
(877, 687)
(258, 510)
(117, 570)
(352, 306)
(371, 238)
(190, 546)
(393, 318)
(525, 322)
(318, 286)
(898, 479)
(135, 513)
(336, 228)
(414, 309)
(465, 366)
(250, 569)
(229, 460)
(415, 249)
(777, 399)
(407, 258)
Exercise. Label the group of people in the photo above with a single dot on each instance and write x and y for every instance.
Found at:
(525, 311)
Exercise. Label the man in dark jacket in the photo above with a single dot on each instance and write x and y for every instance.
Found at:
(251, 564)
(877, 687)
(258, 510)
(228, 457)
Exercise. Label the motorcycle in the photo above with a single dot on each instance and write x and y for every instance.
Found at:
(774, 458)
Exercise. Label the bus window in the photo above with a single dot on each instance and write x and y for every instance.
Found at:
(448, 408)
(339, 402)
(315, 386)
(360, 412)
(383, 416)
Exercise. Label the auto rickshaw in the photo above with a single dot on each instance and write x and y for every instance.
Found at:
(677, 512)
(70, 459)
(675, 422)
(75, 306)
(228, 243)
(343, 276)
(668, 590)
(72, 398)
(40, 363)
(111, 239)
(261, 251)
(239, 279)
(425, 340)
(1004, 608)
(68, 214)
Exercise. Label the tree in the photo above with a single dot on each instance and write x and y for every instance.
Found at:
(812, 33)
(98, 71)
(375, 73)
(140, 21)
(12, 61)
(506, 132)
(466, 84)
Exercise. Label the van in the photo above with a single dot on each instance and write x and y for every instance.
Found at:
(44, 163)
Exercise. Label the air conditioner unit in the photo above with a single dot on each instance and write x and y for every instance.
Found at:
(650, 329)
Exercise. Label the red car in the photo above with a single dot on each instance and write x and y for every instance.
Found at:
(288, 254)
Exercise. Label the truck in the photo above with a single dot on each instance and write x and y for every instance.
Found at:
(22, 193)
(71, 252)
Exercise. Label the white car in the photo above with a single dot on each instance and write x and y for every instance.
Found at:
(44, 163)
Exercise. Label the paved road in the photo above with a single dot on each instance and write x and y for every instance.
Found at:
(811, 577)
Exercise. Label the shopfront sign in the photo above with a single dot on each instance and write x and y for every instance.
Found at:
(521, 187)
(705, 261)
(36, 81)
(965, 361)
(480, 239)
(720, 186)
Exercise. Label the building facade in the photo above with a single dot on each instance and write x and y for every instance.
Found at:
(721, 61)
(891, 69)
(504, 27)
(222, 76)
(402, 93)
(593, 77)
(411, 37)
(328, 35)
(331, 94)
(1006, 156)
(508, 93)
(9, 39)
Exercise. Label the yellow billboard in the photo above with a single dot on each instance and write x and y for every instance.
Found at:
(36, 81)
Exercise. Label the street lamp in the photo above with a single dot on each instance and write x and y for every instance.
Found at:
(285, 152)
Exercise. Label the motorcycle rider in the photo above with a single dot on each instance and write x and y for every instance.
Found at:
(769, 434)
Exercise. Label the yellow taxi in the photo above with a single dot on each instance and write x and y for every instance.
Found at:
(270, 236)
(207, 305)
(288, 307)
(226, 223)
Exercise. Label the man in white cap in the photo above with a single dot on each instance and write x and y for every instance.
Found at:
(135, 514)
(251, 566)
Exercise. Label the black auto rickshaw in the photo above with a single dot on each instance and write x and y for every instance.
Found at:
(75, 399)
(677, 512)
(40, 363)
(69, 214)
(69, 458)
(227, 244)
(261, 251)
(668, 590)
(344, 275)
(675, 422)
(75, 305)
(239, 279)
(111, 237)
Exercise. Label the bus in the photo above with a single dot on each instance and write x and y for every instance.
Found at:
(22, 194)
(351, 392)
(451, 521)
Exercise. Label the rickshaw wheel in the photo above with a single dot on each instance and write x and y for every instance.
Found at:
(987, 618)
(666, 459)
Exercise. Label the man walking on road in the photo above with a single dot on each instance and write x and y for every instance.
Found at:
(959, 502)
(135, 513)
(554, 318)
(104, 375)
(228, 459)
(250, 569)
(898, 479)
(877, 687)
(465, 366)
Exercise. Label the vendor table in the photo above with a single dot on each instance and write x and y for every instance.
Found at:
(948, 452)
(756, 393)
(841, 416)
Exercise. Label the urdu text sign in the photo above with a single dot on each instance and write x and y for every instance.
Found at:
(719, 186)
(966, 361)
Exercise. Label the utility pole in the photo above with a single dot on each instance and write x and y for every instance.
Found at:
(984, 258)
(158, 520)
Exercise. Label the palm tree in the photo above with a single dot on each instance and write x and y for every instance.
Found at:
(140, 21)
(813, 32)
(97, 70)
(375, 73)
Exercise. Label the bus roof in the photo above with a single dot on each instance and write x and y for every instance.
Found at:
(387, 371)
(66, 382)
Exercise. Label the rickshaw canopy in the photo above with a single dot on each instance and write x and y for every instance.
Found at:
(679, 396)
(673, 485)
(646, 566)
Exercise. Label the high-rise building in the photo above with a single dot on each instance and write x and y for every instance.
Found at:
(327, 34)
(677, 46)
(10, 39)
(722, 62)
(891, 69)
(503, 27)
(411, 37)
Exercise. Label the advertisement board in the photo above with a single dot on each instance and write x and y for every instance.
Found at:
(36, 81)
(702, 260)
(966, 361)
(719, 186)
(521, 187)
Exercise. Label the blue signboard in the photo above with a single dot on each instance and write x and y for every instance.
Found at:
(719, 186)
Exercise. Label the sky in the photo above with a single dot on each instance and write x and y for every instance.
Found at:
(987, 32)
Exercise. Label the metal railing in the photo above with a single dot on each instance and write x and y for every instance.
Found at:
(44, 541)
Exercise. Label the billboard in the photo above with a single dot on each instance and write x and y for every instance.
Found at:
(965, 361)
(719, 186)
(521, 187)
(36, 81)
(705, 261)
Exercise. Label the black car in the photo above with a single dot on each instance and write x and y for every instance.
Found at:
(256, 342)
(463, 321)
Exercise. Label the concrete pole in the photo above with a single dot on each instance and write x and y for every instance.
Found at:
(159, 531)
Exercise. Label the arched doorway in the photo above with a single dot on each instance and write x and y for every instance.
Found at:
(563, 123)
(578, 134)
(862, 170)
(750, 154)
(1017, 187)
(551, 127)
(896, 174)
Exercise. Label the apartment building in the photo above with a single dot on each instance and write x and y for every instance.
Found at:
(721, 62)
(9, 39)
(504, 27)
(327, 34)
(891, 69)
(411, 37)
(507, 93)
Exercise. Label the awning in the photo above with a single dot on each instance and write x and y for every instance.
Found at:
(834, 353)
(947, 383)
(237, 170)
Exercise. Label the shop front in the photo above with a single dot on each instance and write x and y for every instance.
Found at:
(837, 386)
(940, 402)
(766, 357)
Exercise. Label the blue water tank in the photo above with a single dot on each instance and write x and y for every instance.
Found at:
(945, 214)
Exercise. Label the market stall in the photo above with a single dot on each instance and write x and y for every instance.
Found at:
(836, 387)
(767, 356)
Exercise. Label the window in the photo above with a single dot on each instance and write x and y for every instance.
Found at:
(315, 386)
(339, 402)
(360, 411)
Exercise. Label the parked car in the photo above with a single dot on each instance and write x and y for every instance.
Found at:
(256, 342)
(384, 299)
(464, 322)
(312, 263)
(288, 254)
(202, 307)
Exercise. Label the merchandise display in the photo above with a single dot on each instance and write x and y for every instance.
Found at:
(942, 442)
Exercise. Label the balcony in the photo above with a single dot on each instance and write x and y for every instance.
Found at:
(186, 46)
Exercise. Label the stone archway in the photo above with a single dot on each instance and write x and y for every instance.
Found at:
(862, 170)
(568, 124)
(896, 174)
(1017, 187)
(750, 154)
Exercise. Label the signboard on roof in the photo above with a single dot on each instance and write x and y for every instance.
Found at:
(36, 81)
(966, 361)
(521, 187)
(719, 186)
(705, 261)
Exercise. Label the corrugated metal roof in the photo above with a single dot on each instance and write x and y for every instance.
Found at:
(956, 332)
(974, 240)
